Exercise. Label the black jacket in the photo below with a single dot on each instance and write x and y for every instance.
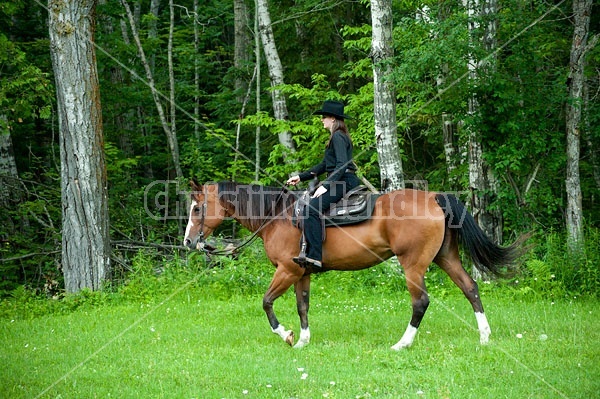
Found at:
(336, 162)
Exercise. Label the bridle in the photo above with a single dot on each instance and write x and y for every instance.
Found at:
(209, 250)
(203, 213)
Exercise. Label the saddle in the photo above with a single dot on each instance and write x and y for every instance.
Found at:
(355, 207)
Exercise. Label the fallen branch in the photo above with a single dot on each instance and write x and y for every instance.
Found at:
(28, 256)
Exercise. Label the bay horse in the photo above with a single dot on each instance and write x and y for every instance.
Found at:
(418, 227)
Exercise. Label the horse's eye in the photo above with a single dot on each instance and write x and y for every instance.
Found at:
(196, 209)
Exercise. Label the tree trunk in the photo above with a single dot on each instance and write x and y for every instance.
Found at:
(85, 228)
(386, 137)
(482, 183)
(153, 28)
(173, 105)
(582, 10)
(9, 177)
(275, 70)
(196, 74)
(156, 95)
(448, 125)
(258, 106)
(241, 55)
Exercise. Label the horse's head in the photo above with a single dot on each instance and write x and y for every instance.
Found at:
(206, 214)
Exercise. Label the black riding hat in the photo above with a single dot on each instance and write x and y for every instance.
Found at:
(332, 108)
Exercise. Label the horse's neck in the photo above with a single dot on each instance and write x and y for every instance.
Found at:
(247, 222)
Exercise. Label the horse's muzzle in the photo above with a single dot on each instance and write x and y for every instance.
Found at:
(196, 243)
(191, 244)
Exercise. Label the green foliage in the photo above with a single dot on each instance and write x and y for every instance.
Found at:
(553, 272)
(325, 51)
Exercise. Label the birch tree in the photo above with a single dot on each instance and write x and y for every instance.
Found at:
(448, 126)
(85, 228)
(258, 106)
(242, 45)
(582, 10)
(8, 166)
(386, 136)
(275, 69)
(482, 183)
(168, 128)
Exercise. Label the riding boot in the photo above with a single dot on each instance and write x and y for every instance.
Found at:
(314, 236)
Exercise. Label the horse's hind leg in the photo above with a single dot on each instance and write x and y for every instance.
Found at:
(420, 301)
(451, 264)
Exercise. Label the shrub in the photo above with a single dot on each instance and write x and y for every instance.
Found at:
(554, 271)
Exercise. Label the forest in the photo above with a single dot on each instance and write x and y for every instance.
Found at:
(502, 93)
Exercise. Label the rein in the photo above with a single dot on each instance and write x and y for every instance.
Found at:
(223, 252)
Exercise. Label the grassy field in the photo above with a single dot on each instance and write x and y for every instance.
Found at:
(195, 342)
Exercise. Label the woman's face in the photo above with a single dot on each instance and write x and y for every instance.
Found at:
(327, 121)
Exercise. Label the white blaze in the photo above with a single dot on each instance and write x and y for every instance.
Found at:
(190, 224)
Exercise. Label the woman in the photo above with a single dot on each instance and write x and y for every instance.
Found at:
(341, 178)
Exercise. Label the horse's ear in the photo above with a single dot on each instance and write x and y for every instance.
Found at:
(195, 186)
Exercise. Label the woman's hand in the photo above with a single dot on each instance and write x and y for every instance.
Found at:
(319, 191)
(293, 180)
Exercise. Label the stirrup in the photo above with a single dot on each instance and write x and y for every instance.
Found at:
(304, 261)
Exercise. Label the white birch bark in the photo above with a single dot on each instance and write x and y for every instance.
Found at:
(8, 167)
(275, 70)
(196, 74)
(85, 228)
(258, 105)
(173, 118)
(171, 138)
(581, 10)
(386, 136)
(482, 182)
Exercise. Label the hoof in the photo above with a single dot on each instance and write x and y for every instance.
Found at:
(290, 339)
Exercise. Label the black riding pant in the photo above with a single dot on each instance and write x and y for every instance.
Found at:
(312, 225)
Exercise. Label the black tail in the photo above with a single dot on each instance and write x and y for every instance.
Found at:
(488, 257)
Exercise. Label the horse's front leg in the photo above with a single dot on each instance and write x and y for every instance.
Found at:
(282, 280)
(302, 301)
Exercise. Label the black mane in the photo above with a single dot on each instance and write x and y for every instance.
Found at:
(251, 204)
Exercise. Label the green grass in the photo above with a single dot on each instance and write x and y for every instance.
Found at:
(195, 342)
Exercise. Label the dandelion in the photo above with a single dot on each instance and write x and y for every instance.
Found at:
(304, 376)
(332, 383)
(245, 392)
(519, 335)
(300, 369)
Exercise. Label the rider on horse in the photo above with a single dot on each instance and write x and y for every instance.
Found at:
(341, 178)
